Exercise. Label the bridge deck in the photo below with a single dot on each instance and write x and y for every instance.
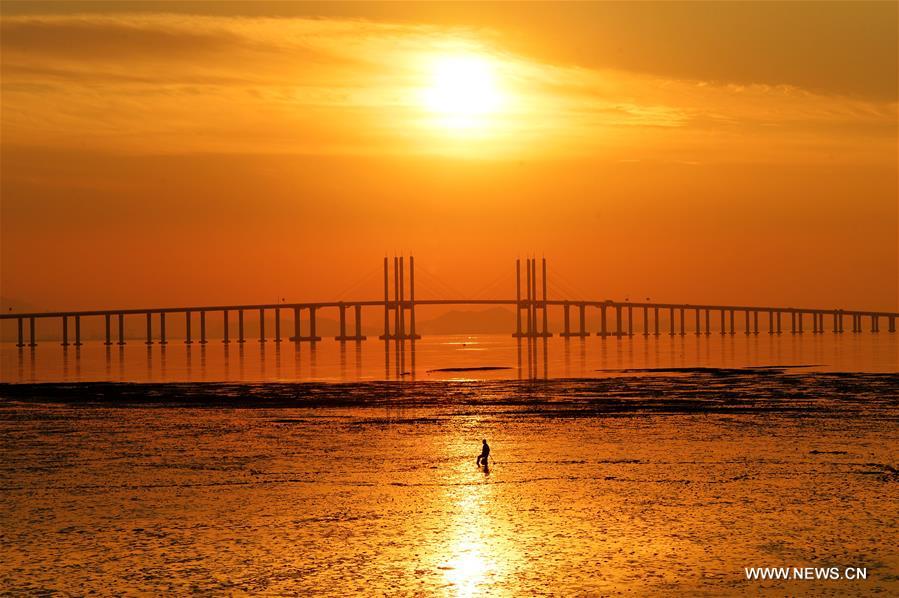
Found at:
(420, 302)
(403, 303)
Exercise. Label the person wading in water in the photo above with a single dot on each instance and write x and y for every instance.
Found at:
(485, 453)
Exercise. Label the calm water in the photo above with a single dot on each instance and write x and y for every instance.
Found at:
(373, 360)
(361, 478)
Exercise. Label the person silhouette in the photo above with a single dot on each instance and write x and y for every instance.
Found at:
(485, 453)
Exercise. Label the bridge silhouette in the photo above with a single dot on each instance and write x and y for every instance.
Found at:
(616, 318)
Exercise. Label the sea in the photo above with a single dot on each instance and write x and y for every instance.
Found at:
(636, 465)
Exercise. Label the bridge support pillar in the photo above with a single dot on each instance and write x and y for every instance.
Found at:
(671, 321)
(277, 324)
(697, 322)
(546, 333)
(187, 338)
(723, 327)
(202, 327)
(602, 321)
(892, 324)
(149, 329)
(121, 329)
(225, 338)
(31, 340)
(401, 304)
(312, 336)
(875, 323)
(412, 334)
(770, 322)
(396, 299)
(296, 319)
(21, 330)
(656, 321)
(746, 322)
(65, 331)
(582, 317)
(618, 331)
(240, 338)
(755, 322)
(532, 299)
(535, 304)
(358, 328)
(708, 322)
(645, 320)
(733, 329)
(77, 331)
(261, 325)
(108, 328)
(683, 322)
(162, 340)
(341, 311)
(386, 334)
(517, 298)
(799, 317)
(778, 322)
(630, 320)
(582, 330)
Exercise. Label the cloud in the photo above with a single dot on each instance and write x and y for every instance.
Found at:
(78, 39)
(846, 48)
(169, 83)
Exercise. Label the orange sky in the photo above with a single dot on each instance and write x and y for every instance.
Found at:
(155, 154)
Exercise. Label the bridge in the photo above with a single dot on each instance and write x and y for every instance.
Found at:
(616, 318)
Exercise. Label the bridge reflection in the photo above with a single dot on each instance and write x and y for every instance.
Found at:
(440, 358)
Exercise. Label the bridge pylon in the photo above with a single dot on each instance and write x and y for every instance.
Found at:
(531, 304)
(401, 306)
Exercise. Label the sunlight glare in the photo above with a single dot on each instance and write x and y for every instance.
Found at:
(463, 90)
(466, 572)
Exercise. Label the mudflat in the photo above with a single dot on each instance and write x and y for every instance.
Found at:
(662, 483)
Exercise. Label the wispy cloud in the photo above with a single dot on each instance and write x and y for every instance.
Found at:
(165, 83)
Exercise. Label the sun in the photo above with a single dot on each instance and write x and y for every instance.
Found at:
(463, 90)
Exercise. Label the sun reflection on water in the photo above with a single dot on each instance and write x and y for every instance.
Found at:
(467, 570)
(474, 551)
(467, 565)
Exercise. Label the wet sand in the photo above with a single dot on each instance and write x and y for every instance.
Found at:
(667, 483)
